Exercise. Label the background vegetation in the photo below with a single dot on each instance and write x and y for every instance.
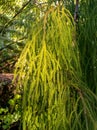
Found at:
(55, 60)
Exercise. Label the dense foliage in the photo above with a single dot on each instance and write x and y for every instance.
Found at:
(15, 20)
(55, 62)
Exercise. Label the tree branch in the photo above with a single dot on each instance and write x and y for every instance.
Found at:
(6, 25)
(76, 11)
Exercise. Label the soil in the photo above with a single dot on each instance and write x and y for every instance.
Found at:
(6, 88)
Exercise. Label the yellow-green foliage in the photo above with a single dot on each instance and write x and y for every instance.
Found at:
(49, 72)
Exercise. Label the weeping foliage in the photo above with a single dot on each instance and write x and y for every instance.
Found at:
(54, 96)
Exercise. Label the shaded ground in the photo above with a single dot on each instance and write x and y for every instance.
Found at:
(7, 90)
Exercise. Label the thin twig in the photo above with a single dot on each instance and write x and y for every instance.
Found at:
(12, 42)
(76, 11)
